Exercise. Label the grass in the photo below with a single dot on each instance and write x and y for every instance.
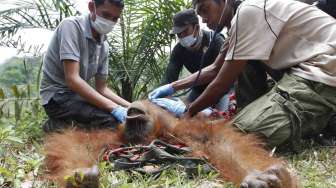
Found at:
(315, 165)
(21, 161)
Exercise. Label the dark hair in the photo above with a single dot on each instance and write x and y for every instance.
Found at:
(194, 2)
(118, 3)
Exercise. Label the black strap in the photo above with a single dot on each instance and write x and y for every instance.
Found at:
(159, 155)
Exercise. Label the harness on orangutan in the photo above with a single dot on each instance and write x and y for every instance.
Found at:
(154, 158)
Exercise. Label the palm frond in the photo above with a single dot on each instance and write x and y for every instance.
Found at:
(138, 51)
(32, 14)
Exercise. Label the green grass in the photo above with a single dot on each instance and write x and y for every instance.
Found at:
(316, 166)
(21, 160)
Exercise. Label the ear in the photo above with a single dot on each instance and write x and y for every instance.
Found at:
(198, 29)
(197, 26)
(92, 9)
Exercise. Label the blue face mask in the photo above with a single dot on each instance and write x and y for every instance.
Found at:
(188, 41)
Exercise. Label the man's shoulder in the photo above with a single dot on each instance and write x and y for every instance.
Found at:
(73, 22)
(273, 5)
(257, 3)
(210, 35)
(178, 48)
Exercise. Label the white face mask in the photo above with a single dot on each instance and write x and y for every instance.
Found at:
(188, 41)
(102, 25)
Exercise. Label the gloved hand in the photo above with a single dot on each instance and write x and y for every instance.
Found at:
(119, 113)
(208, 111)
(162, 91)
(175, 105)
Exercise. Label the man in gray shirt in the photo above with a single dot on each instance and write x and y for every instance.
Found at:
(77, 53)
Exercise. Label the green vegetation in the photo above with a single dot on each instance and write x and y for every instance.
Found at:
(139, 51)
(21, 160)
(20, 72)
(139, 45)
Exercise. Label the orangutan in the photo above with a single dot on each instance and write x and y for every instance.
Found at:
(240, 158)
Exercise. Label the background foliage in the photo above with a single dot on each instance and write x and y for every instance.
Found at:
(139, 48)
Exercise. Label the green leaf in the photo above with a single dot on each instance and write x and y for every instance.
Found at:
(6, 172)
(29, 91)
(2, 94)
(17, 110)
(14, 139)
(15, 91)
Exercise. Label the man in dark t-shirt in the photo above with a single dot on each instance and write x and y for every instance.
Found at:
(188, 52)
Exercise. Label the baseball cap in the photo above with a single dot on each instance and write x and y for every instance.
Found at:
(183, 19)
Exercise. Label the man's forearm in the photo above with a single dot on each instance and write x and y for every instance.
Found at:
(79, 86)
(115, 98)
(216, 89)
(207, 75)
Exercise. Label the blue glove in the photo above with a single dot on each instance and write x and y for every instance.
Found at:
(162, 91)
(119, 113)
(175, 105)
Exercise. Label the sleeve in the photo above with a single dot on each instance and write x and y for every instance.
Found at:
(250, 35)
(102, 72)
(174, 67)
(219, 41)
(69, 37)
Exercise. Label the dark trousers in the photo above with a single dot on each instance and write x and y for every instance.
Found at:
(68, 109)
(253, 82)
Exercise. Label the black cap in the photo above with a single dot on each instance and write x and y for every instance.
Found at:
(182, 19)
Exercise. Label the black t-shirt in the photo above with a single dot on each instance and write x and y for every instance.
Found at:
(191, 60)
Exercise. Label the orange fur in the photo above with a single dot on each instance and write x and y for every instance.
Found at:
(74, 149)
(233, 153)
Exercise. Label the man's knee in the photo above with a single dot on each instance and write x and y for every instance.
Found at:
(76, 112)
(276, 138)
(102, 119)
(55, 125)
(265, 117)
(279, 137)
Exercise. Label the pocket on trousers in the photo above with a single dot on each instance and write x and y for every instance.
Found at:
(265, 115)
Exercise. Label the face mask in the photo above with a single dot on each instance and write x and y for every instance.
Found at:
(102, 25)
(188, 41)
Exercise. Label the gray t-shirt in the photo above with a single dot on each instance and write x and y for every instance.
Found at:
(73, 40)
